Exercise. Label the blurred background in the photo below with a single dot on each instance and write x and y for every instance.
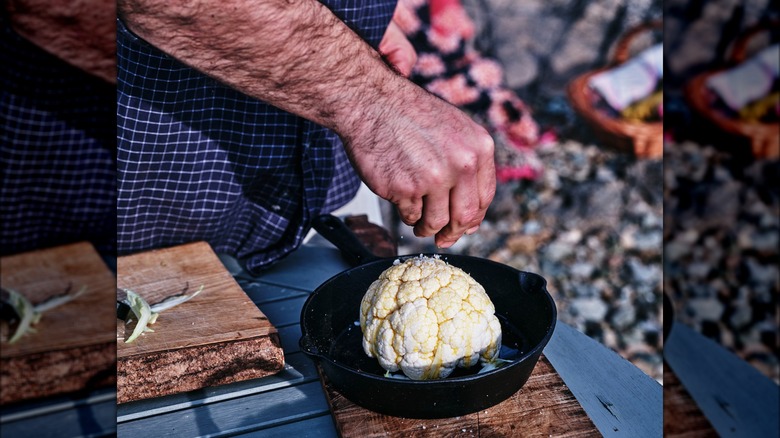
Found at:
(596, 203)
(722, 174)
(575, 203)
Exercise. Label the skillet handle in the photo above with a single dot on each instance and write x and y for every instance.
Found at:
(333, 229)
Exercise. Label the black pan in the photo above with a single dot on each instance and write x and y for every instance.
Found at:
(332, 335)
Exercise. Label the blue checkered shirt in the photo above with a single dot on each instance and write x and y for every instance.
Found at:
(57, 146)
(198, 160)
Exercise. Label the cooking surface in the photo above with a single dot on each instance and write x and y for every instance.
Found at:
(544, 405)
(292, 402)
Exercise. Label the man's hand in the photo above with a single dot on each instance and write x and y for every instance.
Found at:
(410, 147)
(429, 159)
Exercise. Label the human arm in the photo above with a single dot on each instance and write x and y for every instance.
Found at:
(409, 146)
(82, 33)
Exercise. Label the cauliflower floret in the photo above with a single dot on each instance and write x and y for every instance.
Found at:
(426, 317)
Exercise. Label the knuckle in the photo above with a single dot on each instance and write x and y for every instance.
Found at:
(435, 176)
(485, 145)
(410, 216)
(433, 223)
(469, 162)
(408, 220)
(437, 224)
(472, 218)
(449, 234)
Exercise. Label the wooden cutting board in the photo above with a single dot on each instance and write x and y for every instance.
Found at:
(218, 337)
(682, 416)
(543, 407)
(73, 347)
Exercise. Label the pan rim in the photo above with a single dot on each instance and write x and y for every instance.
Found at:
(535, 351)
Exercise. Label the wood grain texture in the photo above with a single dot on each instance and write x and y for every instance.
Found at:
(544, 406)
(218, 337)
(73, 347)
(682, 417)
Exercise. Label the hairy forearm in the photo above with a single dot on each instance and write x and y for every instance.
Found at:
(80, 32)
(296, 54)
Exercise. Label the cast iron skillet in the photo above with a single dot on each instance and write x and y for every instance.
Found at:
(332, 335)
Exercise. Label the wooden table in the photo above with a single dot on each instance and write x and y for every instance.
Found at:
(293, 403)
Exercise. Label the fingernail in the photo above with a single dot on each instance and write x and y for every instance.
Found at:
(472, 230)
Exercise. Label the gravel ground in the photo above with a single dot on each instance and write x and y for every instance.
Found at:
(721, 249)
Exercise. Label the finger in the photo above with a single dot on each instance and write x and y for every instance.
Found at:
(397, 49)
(435, 213)
(486, 177)
(410, 210)
(464, 211)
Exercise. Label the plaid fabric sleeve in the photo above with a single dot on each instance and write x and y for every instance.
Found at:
(198, 160)
(57, 147)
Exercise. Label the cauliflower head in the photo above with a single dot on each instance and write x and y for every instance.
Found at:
(426, 317)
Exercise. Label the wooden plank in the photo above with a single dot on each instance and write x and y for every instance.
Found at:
(682, 418)
(319, 263)
(72, 348)
(285, 312)
(290, 335)
(543, 407)
(216, 338)
(317, 427)
(239, 415)
(94, 415)
(56, 403)
(262, 293)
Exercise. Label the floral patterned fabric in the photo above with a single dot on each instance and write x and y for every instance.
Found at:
(447, 66)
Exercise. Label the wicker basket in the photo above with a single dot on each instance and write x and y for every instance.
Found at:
(764, 137)
(643, 139)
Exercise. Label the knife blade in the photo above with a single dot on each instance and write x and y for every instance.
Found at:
(734, 396)
(619, 398)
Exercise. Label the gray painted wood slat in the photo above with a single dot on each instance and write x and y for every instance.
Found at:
(290, 335)
(34, 408)
(305, 269)
(244, 414)
(286, 312)
(262, 293)
(619, 398)
(318, 427)
(85, 417)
